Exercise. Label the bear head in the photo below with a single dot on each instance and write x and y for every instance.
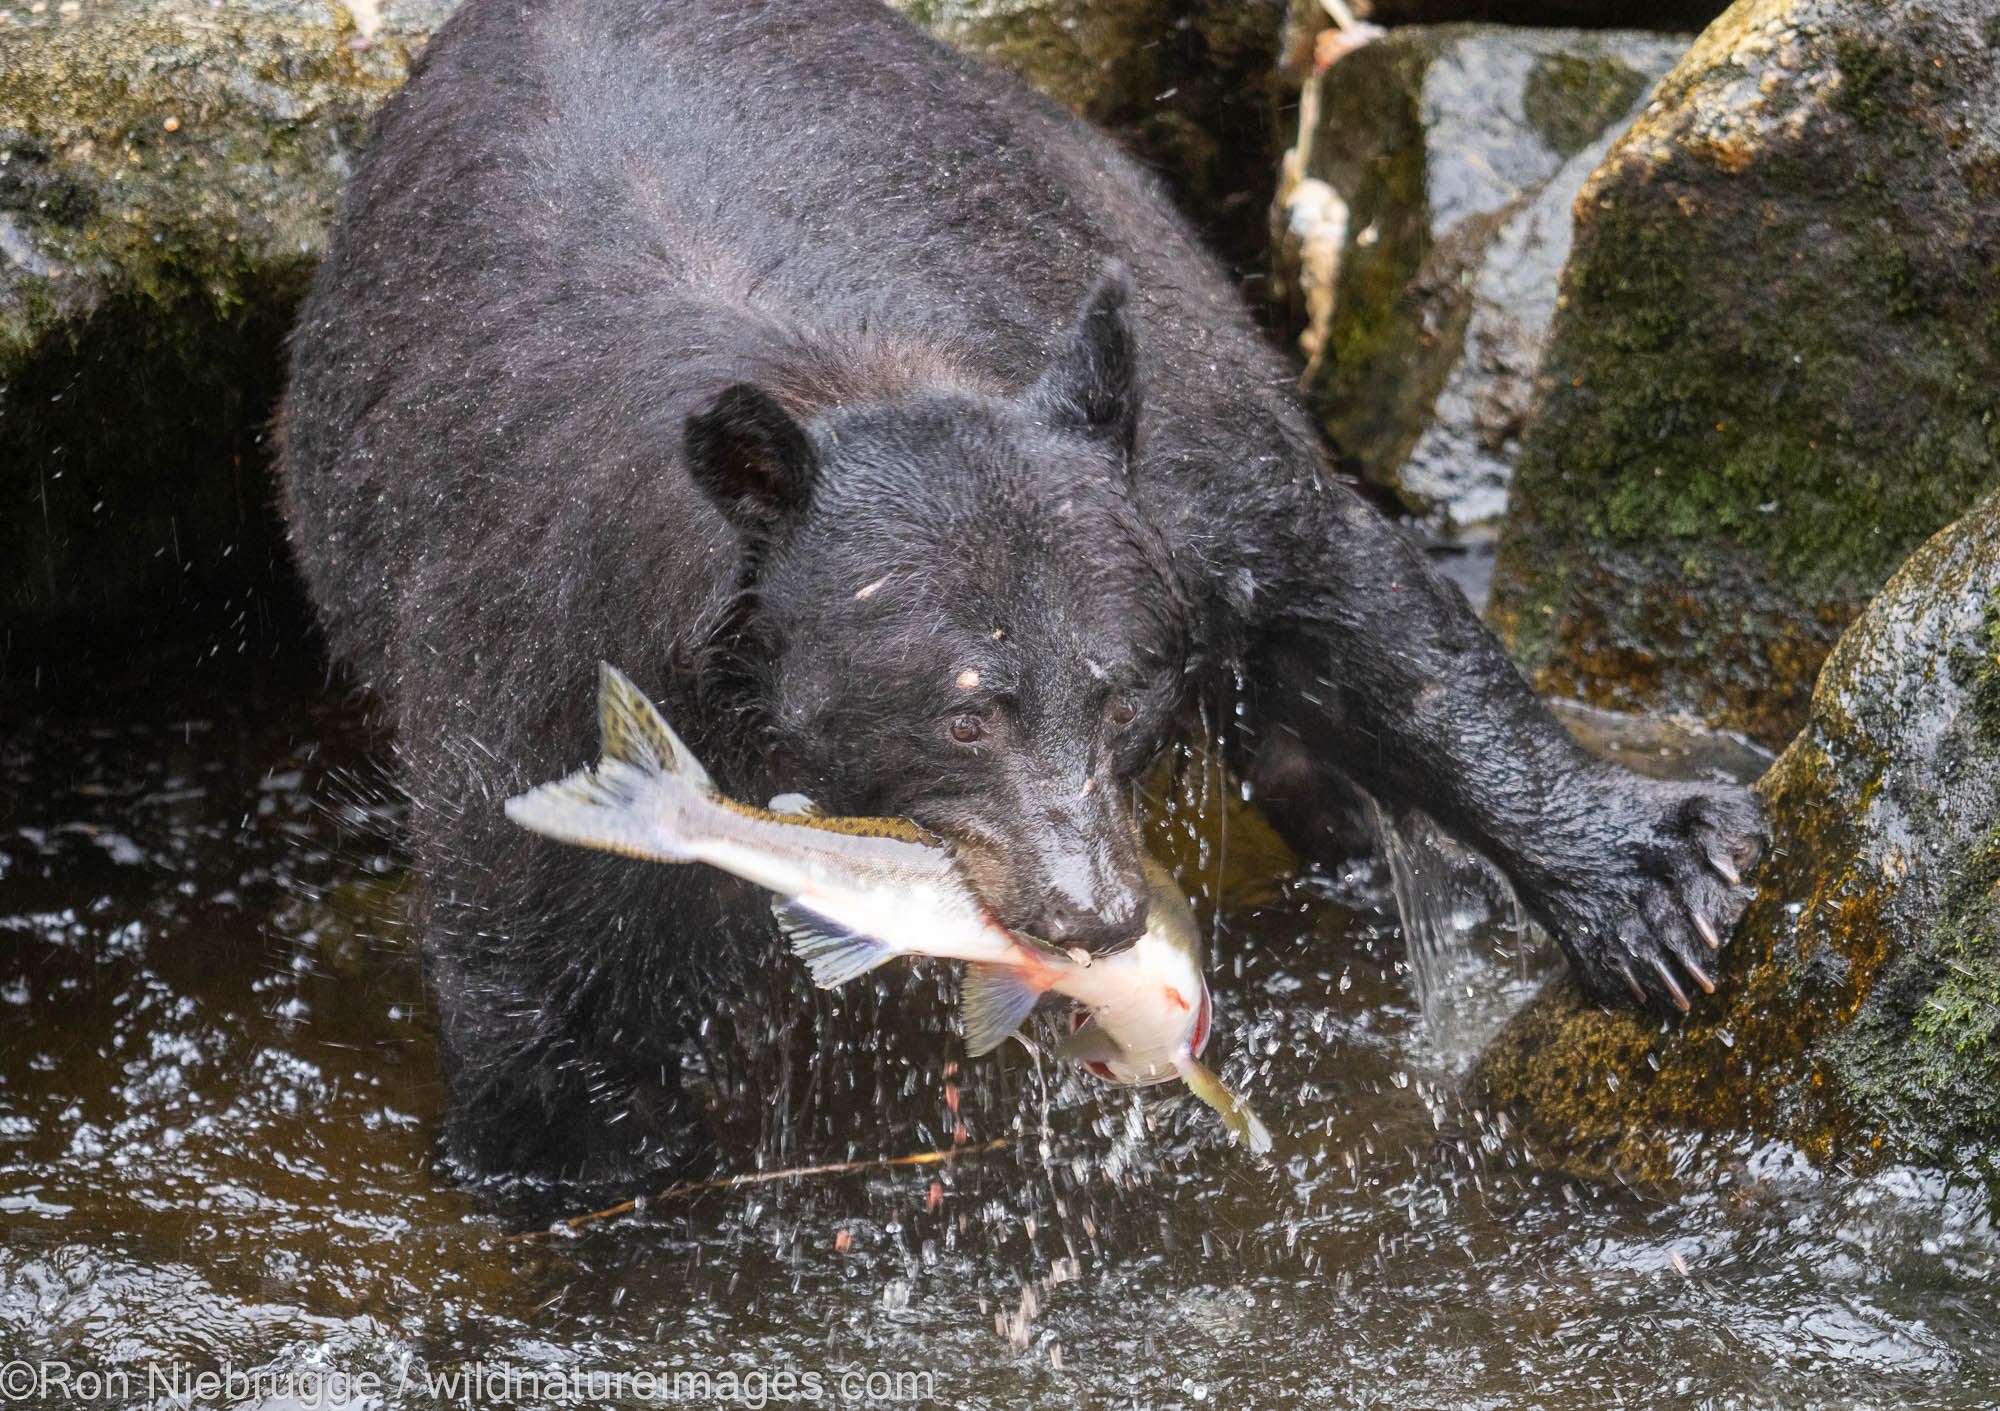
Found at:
(957, 613)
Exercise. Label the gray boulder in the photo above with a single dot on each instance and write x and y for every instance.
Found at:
(1423, 220)
(1775, 368)
(1857, 1012)
(167, 173)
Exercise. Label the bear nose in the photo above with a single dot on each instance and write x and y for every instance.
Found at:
(1062, 922)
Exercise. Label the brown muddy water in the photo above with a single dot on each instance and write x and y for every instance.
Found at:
(219, 1110)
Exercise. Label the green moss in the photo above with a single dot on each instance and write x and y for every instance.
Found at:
(1188, 85)
(1927, 1058)
(1698, 446)
(141, 354)
(1761, 395)
(1387, 350)
(1869, 77)
(1909, 292)
(1570, 99)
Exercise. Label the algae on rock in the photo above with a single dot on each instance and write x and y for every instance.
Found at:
(167, 175)
(1859, 1005)
(1776, 365)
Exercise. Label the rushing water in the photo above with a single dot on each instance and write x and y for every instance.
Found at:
(219, 1108)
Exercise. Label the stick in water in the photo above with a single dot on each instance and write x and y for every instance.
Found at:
(758, 1178)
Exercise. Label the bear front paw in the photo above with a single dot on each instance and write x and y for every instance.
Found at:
(1646, 927)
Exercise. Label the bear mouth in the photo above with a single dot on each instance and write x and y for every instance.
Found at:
(989, 870)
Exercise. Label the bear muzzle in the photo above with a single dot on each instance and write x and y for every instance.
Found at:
(1067, 872)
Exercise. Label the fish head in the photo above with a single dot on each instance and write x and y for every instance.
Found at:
(1169, 958)
(1136, 1043)
(969, 621)
(1147, 1009)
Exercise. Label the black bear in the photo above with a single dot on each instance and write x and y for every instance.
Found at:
(885, 424)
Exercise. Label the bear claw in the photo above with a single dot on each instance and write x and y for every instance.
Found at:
(1657, 890)
(1666, 978)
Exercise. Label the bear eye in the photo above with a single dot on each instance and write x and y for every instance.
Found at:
(1122, 710)
(966, 729)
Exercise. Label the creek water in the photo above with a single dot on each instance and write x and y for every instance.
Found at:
(219, 1109)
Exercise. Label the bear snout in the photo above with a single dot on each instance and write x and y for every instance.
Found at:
(1069, 875)
(1063, 921)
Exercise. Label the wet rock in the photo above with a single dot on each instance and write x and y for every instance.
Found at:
(1858, 1009)
(1424, 219)
(1190, 86)
(167, 173)
(1775, 369)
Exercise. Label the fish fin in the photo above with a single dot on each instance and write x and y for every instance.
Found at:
(1090, 1044)
(795, 803)
(1236, 1115)
(994, 999)
(633, 732)
(833, 953)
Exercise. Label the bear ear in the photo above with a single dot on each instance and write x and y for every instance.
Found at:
(752, 460)
(1091, 383)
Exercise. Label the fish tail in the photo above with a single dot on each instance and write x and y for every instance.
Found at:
(647, 772)
(1237, 1118)
(831, 952)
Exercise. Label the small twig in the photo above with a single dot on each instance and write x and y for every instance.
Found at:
(758, 1178)
(1340, 14)
(1347, 35)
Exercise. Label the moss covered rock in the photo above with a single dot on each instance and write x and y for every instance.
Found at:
(1425, 219)
(1776, 365)
(167, 173)
(1858, 1009)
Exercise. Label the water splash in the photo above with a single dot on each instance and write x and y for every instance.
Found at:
(1473, 957)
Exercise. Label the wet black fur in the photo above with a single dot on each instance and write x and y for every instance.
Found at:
(774, 353)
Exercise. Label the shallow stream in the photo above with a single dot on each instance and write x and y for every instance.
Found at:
(219, 1109)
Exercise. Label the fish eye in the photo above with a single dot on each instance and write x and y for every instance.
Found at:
(1122, 711)
(967, 729)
